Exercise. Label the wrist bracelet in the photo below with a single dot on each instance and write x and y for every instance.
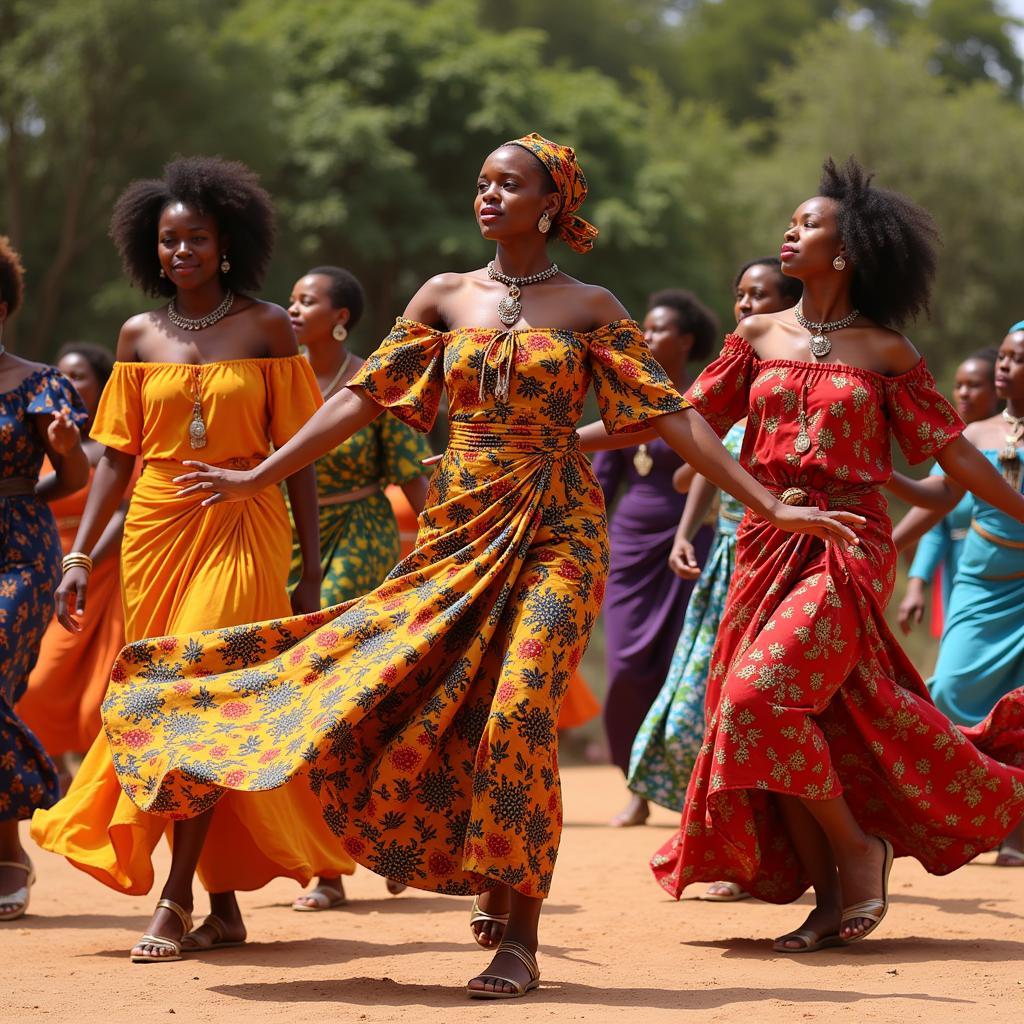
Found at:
(76, 560)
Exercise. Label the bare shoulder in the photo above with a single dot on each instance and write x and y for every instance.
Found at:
(752, 328)
(429, 303)
(893, 353)
(988, 433)
(133, 333)
(601, 304)
(272, 323)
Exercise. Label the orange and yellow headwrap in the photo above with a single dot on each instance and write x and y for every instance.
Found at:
(571, 183)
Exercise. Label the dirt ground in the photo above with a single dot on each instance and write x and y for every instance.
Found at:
(613, 948)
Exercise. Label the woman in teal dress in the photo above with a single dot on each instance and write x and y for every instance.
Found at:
(359, 541)
(667, 744)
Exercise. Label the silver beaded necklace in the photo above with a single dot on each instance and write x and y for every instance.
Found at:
(820, 343)
(510, 309)
(185, 323)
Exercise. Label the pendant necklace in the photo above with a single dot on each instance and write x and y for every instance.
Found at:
(802, 444)
(510, 309)
(642, 461)
(820, 343)
(1008, 456)
(197, 426)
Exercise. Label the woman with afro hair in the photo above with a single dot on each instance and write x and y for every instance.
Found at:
(217, 373)
(823, 754)
(40, 416)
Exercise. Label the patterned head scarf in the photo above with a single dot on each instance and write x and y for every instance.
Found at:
(571, 183)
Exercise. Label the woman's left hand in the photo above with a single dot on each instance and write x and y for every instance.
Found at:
(825, 525)
(62, 433)
(305, 597)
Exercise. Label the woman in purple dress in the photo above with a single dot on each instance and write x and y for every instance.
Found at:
(645, 601)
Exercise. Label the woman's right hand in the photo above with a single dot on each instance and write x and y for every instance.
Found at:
(70, 598)
(825, 525)
(911, 610)
(682, 560)
(218, 485)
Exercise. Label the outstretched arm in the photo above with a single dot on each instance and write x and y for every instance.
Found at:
(689, 434)
(965, 464)
(914, 525)
(935, 493)
(594, 437)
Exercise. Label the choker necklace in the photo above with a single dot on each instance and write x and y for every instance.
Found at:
(820, 343)
(510, 308)
(185, 323)
(326, 393)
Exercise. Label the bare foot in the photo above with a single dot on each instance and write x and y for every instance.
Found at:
(495, 901)
(860, 878)
(636, 812)
(396, 888)
(505, 965)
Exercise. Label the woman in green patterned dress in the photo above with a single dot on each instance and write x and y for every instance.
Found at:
(359, 542)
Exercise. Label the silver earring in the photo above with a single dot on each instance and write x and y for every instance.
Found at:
(839, 263)
(162, 274)
(339, 332)
(544, 224)
(225, 266)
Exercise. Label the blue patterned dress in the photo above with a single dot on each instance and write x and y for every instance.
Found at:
(670, 737)
(30, 557)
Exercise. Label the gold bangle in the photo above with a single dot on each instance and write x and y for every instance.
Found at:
(76, 560)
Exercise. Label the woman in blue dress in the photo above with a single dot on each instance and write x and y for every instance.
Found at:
(668, 741)
(942, 537)
(39, 410)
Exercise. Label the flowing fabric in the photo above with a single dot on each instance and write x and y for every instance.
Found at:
(65, 690)
(645, 603)
(29, 572)
(670, 737)
(981, 658)
(187, 567)
(422, 715)
(809, 693)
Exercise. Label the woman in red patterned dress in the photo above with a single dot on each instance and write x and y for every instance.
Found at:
(823, 753)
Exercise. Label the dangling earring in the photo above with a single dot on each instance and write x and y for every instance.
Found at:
(544, 224)
(839, 263)
(162, 274)
(225, 266)
(339, 332)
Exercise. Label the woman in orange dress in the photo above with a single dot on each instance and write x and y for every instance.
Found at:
(218, 373)
(823, 754)
(423, 713)
(66, 688)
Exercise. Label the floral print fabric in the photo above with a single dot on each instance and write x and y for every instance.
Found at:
(29, 572)
(809, 693)
(422, 714)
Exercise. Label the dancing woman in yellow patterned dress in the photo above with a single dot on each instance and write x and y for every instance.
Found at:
(423, 714)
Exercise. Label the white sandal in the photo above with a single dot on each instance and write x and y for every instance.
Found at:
(736, 892)
(325, 897)
(18, 898)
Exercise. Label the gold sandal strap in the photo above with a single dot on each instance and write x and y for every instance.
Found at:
(217, 926)
(477, 914)
(869, 910)
(161, 942)
(520, 951)
(520, 989)
(183, 915)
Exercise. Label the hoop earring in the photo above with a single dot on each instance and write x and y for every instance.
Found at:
(544, 224)
(339, 332)
(225, 265)
(839, 263)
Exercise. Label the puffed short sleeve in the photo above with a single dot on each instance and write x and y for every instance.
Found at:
(630, 385)
(118, 422)
(406, 373)
(721, 394)
(50, 392)
(922, 420)
(292, 396)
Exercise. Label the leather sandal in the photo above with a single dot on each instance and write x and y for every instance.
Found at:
(476, 915)
(190, 944)
(19, 898)
(811, 940)
(871, 910)
(161, 941)
(520, 952)
(323, 896)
